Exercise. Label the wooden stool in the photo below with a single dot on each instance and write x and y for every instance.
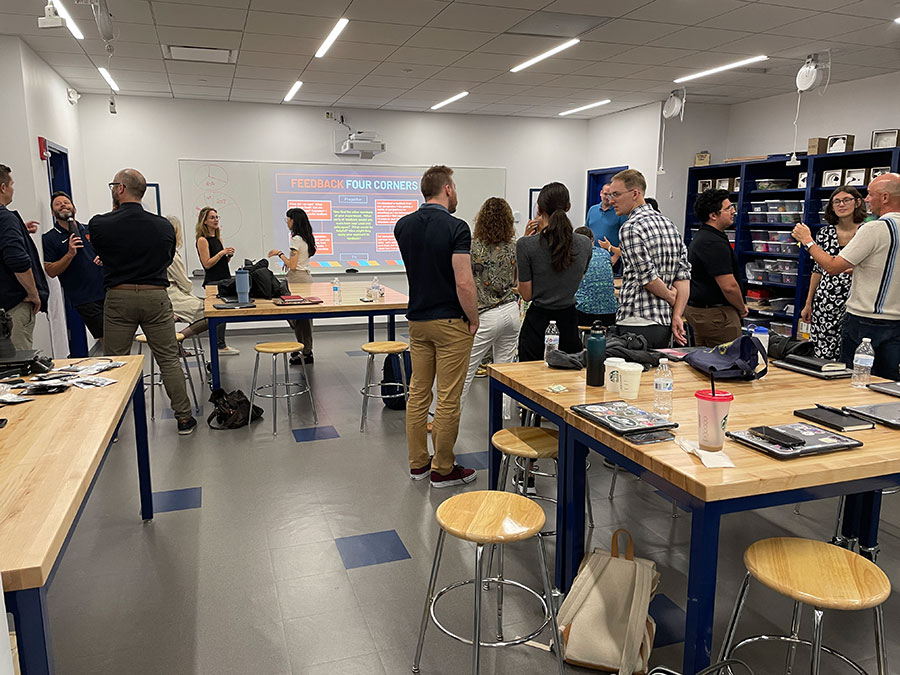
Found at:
(283, 348)
(494, 518)
(386, 347)
(818, 574)
(179, 338)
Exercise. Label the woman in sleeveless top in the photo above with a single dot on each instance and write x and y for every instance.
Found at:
(214, 257)
(302, 248)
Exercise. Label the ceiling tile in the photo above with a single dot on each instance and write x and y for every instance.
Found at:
(825, 25)
(359, 50)
(375, 92)
(594, 8)
(127, 32)
(478, 17)
(595, 51)
(26, 24)
(448, 38)
(329, 8)
(145, 87)
(378, 33)
(308, 97)
(515, 4)
(254, 96)
(700, 38)
(133, 50)
(500, 62)
(819, 5)
(76, 72)
(760, 43)
(388, 81)
(141, 76)
(262, 85)
(276, 74)
(470, 75)
(654, 56)
(368, 101)
(558, 24)
(120, 63)
(882, 34)
(184, 89)
(406, 70)
(520, 45)
(879, 57)
(665, 73)
(557, 66)
(626, 31)
(758, 18)
(635, 84)
(612, 69)
(60, 45)
(502, 109)
(258, 42)
(427, 57)
(450, 87)
(200, 80)
(685, 12)
(198, 68)
(199, 37)
(335, 90)
(272, 60)
(802, 49)
(583, 81)
(526, 77)
(887, 10)
(330, 78)
(414, 12)
(499, 89)
(178, 14)
(292, 25)
(55, 59)
(234, 4)
(329, 65)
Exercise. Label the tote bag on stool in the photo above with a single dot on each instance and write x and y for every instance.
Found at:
(604, 619)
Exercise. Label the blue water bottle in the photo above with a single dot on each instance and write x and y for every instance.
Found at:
(596, 355)
(242, 285)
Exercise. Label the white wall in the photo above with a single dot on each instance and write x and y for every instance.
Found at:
(766, 126)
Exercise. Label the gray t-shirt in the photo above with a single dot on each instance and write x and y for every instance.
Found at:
(551, 289)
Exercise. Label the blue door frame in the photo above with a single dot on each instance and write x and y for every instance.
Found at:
(596, 179)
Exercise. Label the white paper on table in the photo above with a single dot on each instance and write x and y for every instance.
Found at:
(711, 460)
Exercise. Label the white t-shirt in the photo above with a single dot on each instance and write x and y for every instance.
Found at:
(874, 253)
(297, 244)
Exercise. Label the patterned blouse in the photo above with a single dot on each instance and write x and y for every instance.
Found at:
(596, 294)
(494, 268)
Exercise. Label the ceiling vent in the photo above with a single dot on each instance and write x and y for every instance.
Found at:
(204, 54)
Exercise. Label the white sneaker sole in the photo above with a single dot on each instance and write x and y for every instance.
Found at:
(420, 476)
(451, 483)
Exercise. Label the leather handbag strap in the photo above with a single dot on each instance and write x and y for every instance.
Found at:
(629, 547)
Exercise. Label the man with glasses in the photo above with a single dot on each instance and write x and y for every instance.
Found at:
(137, 248)
(603, 220)
(656, 279)
(716, 303)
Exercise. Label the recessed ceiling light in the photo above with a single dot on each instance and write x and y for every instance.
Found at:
(545, 55)
(70, 24)
(585, 107)
(109, 80)
(332, 36)
(729, 66)
(460, 95)
(294, 89)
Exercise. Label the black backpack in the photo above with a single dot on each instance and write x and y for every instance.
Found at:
(231, 411)
(391, 380)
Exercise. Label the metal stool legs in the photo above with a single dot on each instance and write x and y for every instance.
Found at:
(370, 368)
(187, 373)
(429, 599)
(370, 371)
(304, 388)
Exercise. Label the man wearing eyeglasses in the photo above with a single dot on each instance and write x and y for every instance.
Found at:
(137, 248)
(656, 278)
(716, 304)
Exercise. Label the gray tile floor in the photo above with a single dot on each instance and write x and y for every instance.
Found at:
(252, 582)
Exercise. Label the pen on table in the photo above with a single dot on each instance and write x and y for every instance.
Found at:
(836, 411)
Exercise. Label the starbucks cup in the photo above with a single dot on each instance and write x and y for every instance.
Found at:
(630, 379)
(712, 417)
(612, 373)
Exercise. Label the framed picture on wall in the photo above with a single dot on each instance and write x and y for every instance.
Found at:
(832, 178)
(840, 143)
(532, 202)
(737, 184)
(854, 177)
(703, 185)
(801, 180)
(723, 184)
(885, 138)
(876, 171)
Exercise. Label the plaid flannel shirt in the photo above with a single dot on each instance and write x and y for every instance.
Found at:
(651, 248)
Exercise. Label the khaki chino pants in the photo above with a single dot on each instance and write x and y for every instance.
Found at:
(22, 316)
(123, 312)
(439, 350)
(713, 326)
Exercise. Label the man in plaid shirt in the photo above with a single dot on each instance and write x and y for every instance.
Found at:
(656, 282)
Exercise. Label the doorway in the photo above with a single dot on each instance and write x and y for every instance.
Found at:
(597, 178)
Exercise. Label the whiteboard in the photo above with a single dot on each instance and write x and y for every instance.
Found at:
(252, 218)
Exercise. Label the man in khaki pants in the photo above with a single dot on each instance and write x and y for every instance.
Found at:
(443, 319)
(136, 248)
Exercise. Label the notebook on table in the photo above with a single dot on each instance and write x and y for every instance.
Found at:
(834, 418)
(622, 418)
(891, 388)
(813, 363)
(676, 353)
(887, 414)
(823, 375)
(815, 441)
(297, 300)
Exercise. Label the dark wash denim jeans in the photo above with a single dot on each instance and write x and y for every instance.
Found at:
(885, 337)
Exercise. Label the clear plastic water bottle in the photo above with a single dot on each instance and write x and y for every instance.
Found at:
(663, 387)
(551, 339)
(377, 287)
(761, 333)
(336, 290)
(863, 360)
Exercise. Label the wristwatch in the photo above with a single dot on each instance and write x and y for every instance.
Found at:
(809, 244)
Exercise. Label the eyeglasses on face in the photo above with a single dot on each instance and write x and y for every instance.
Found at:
(845, 200)
(616, 195)
(730, 207)
(113, 185)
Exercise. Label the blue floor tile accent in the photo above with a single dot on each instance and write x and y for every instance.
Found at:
(315, 434)
(363, 550)
(669, 499)
(177, 500)
(169, 414)
(669, 619)
(473, 460)
(356, 352)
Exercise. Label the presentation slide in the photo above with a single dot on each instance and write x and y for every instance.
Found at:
(352, 211)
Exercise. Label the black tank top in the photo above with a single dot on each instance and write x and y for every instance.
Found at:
(219, 271)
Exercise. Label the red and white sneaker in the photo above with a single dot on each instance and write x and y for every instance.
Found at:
(420, 473)
(458, 476)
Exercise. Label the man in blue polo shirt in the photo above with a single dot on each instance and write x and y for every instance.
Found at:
(603, 221)
(68, 254)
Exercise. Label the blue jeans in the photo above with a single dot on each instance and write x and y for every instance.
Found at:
(885, 336)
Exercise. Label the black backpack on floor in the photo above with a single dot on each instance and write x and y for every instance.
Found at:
(231, 411)
(391, 380)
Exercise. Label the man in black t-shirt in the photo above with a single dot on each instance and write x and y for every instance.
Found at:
(68, 254)
(716, 304)
(443, 319)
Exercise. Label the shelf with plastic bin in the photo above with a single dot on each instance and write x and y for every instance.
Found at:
(766, 254)
(770, 314)
(771, 283)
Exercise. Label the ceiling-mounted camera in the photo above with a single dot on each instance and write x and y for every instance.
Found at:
(112, 105)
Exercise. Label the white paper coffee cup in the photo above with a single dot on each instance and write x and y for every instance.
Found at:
(612, 373)
(630, 379)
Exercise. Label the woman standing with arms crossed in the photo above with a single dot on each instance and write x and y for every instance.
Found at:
(551, 265)
(828, 294)
(303, 247)
(214, 257)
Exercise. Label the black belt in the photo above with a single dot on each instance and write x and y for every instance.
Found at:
(698, 305)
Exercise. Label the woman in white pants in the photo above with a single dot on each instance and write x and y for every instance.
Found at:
(494, 268)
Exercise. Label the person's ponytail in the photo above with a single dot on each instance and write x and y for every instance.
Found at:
(553, 200)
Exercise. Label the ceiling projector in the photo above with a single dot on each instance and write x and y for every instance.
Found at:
(51, 18)
(362, 143)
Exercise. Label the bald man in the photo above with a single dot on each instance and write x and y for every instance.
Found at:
(873, 309)
(137, 248)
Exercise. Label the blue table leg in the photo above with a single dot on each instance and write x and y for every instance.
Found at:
(570, 550)
(871, 516)
(371, 328)
(495, 423)
(392, 326)
(139, 411)
(214, 352)
(29, 609)
(701, 594)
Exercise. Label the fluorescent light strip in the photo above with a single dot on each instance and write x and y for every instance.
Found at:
(897, 20)
(545, 55)
(460, 95)
(332, 36)
(70, 24)
(294, 89)
(736, 64)
(106, 76)
(585, 107)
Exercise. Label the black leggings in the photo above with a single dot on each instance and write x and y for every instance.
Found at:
(531, 335)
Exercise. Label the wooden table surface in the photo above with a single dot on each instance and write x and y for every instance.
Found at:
(351, 292)
(770, 401)
(49, 452)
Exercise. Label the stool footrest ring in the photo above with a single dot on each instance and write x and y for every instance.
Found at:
(796, 641)
(303, 388)
(365, 390)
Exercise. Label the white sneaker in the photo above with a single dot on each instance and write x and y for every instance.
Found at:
(229, 351)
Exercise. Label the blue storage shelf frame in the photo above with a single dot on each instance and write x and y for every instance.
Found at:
(813, 197)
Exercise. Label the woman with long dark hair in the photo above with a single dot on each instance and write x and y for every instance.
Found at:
(827, 297)
(302, 248)
(214, 256)
(551, 264)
